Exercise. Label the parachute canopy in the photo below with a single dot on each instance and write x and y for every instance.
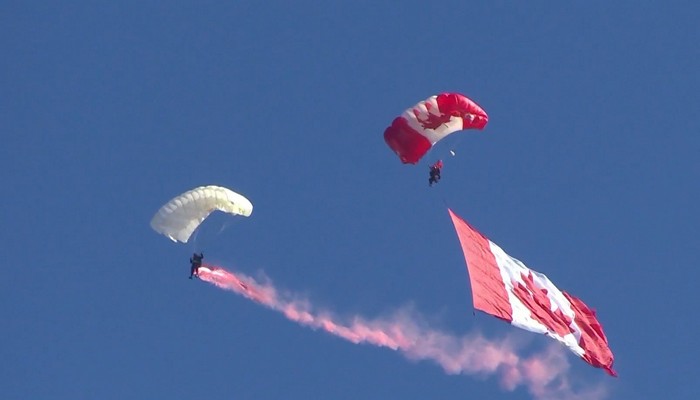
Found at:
(179, 217)
(418, 128)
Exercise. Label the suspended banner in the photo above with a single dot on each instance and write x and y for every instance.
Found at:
(505, 288)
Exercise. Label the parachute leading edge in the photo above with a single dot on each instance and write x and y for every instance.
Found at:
(418, 128)
(179, 217)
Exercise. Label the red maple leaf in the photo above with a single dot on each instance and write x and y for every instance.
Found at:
(432, 121)
(536, 300)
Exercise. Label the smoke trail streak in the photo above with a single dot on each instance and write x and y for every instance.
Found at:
(545, 375)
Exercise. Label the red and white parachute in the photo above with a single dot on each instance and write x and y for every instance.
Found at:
(418, 128)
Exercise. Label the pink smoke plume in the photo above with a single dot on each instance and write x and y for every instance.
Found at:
(545, 375)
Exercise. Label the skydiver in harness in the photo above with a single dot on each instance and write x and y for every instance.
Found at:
(196, 262)
(435, 173)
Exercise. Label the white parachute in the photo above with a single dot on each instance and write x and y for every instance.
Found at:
(179, 217)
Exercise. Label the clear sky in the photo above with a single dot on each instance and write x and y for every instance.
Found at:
(587, 171)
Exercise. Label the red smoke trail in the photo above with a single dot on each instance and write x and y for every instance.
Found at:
(544, 374)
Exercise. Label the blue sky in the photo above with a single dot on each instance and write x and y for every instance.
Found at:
(587, 171)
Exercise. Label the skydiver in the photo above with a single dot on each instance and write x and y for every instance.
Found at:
(435, 173)
(196, 262)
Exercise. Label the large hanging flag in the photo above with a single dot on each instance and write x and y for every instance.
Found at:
(505, 288)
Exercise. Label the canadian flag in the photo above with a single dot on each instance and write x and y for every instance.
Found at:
(505, 288)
